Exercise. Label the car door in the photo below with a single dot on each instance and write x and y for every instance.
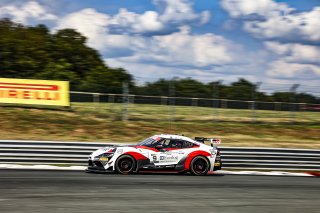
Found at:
(170, 153)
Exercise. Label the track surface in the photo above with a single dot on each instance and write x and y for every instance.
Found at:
(66, 191)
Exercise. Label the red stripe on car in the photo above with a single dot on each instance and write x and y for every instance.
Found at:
(136, 155)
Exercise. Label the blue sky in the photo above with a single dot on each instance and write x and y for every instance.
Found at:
(273, 41)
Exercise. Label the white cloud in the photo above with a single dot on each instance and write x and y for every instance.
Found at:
(23, 13)
(295, 52)
(197, 50)
(175, 14)
(151, 72)
(179, 48)
(178, 53)
(275, 20)
(160, 43)
(136, 23)
(180, 11)
(294, 60)
(298, 26)
(88, 22)
(127, 30)
(283, 69)
(239, 8)
(184, 49)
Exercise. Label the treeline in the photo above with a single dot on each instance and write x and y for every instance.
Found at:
(239, 90)
(36, 53)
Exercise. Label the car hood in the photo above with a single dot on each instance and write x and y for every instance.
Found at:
(102, 150)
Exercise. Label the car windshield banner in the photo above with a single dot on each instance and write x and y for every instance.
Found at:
(36, 92)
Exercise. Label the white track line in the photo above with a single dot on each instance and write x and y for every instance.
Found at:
(222, 172)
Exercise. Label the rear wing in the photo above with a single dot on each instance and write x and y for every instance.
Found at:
(212, 140)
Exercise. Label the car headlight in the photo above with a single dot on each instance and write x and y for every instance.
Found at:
(105, 156)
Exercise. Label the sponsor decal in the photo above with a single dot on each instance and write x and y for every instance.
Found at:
(154, 158)
(37, 92)
(172, 158)
(161, 157)
(119, 151)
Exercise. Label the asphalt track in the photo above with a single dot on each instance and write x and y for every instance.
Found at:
(70, 191)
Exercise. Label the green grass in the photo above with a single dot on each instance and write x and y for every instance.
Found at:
(103, 122)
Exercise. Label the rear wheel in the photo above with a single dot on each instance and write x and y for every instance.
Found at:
(125, 164)
(199, 165)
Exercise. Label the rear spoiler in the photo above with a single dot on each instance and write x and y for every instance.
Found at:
(212, 140)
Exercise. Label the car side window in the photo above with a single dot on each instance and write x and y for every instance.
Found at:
(164, 143)
(176, 144)
(188, 144)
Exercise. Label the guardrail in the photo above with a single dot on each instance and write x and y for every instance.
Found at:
(76, 153)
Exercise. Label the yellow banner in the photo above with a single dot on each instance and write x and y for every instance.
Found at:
(37, 92)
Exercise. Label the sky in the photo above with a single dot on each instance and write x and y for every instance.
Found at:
(276, 42)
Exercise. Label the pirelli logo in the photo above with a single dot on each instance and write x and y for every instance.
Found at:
(37, 92)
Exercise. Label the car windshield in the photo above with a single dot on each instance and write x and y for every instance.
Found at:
(149, 141)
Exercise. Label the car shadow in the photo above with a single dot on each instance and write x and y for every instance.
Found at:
(160, 173)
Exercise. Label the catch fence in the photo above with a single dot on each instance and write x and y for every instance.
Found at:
(136, 107)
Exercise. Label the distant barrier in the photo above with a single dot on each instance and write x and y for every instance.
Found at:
(76, 153)
(189, 101)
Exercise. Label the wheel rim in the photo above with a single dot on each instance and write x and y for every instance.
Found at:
(200, 166)
(125, 165)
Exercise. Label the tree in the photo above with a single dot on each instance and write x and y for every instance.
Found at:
(32, 52)
(102, 79)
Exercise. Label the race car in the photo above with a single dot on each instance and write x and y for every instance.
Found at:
(163, 152)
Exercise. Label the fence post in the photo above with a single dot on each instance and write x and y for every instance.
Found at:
(125, 100)
(277, 106)
(111, 98)
(194, 101)
(96, 99)
(216, 101)
(292, 106)
(172, 101)
(255, 88)
(164, 100)
(224, 103)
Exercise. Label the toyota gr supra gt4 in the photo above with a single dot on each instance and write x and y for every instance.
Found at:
(159, 153)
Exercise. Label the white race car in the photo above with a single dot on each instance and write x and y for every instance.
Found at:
(159, 152)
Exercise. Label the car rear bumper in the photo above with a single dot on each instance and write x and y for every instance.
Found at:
(217, 163)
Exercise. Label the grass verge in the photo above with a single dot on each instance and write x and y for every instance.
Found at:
(103, 122)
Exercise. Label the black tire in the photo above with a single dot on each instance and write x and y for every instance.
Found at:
(125, 164)
(199, 165)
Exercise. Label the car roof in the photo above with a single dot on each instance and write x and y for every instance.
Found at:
(180, 137)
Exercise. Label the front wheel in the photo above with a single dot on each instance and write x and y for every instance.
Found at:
(199, 165)
(125, 164)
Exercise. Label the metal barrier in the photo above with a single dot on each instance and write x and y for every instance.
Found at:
(76, 153)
